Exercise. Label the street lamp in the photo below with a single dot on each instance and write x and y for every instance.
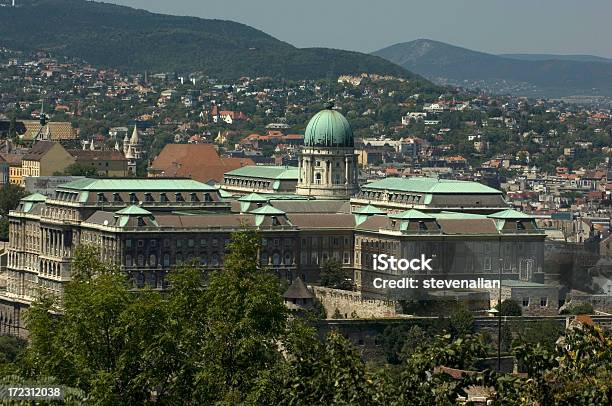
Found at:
(493, 312)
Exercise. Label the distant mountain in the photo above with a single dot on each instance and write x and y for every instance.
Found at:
(108, 35)
(448, 64)
(553, 57)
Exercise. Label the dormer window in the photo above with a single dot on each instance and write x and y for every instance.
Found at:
(163, 197)
(179, 197)
(141, 222)
(207, 197)
(149, 197)
(422, 226)
(520, 225)
(275, 221)
(117, 197)
(193, 197)
(133, 198)
(101, 198)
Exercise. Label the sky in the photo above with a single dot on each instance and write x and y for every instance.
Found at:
(496, 26)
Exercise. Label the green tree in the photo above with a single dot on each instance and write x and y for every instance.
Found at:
(510, 307)
(202, 342)
(245, 318)
(324, 373)
(461, 322)
(77, 169)
(10, 195)
(579, 308)
(333, 276)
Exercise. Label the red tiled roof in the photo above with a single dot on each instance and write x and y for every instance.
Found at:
(200, 162)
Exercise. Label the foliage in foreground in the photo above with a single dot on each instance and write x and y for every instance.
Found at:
(227, 340)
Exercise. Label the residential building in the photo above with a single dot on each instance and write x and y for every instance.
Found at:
(109, 163)
(46, 158)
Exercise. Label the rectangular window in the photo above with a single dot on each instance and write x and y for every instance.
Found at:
(544, 301)
(487, 263)
(525, 302)
(346, 257)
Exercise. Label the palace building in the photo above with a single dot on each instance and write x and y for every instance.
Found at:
(305, 217)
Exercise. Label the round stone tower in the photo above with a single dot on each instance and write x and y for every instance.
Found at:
(328, 164)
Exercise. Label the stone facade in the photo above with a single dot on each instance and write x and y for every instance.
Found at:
(459, 248)
(353, 305)
(535, 299)
(328, 172)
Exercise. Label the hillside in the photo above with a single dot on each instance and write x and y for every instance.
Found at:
(450, 64)
(549, 57)
(108, 35)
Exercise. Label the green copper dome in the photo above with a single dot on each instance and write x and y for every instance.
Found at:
(328, 128)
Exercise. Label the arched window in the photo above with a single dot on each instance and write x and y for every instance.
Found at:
(214, 260)
(152, 260)
(276, 258)
(166, 259)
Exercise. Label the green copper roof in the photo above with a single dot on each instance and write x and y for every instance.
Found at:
(431, 185)
(510, 214)
(266, 172)
(267, 209)
(36, 197)
(328, 128)
(369, 209)
(145, 185)
(133, 211)
(451, 215)
(253, 197)
(224, 193)
(411, 214)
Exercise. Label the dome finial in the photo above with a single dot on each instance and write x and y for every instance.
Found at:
(328, 105)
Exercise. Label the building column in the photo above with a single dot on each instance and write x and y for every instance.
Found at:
(311, 171)
(346, 170)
